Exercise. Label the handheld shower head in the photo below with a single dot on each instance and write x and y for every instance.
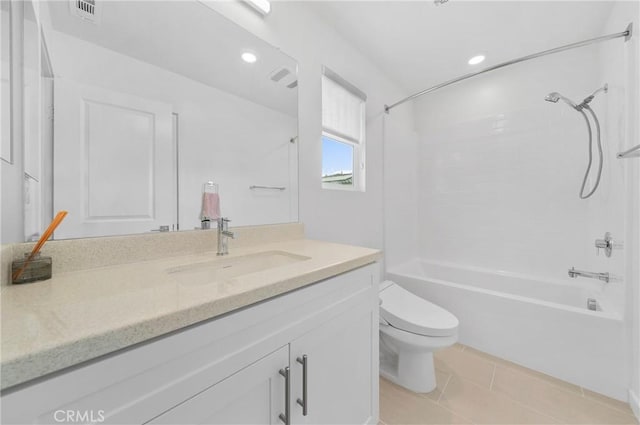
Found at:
(555, 97)
(552, 97)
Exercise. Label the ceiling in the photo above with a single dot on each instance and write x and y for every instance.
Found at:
(186, 38)
(419, 44)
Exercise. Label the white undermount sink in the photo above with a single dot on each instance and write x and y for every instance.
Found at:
(224, 268)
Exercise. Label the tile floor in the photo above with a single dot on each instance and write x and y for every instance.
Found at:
(476, 388)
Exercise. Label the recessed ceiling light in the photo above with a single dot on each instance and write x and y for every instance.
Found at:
(476, 60)
(249, 57)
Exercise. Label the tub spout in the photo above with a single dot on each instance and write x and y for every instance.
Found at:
(573, 273)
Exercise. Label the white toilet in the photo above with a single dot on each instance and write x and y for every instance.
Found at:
(411, 328)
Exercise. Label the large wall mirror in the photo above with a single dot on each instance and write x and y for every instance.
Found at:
(133, 107)
(5, 82)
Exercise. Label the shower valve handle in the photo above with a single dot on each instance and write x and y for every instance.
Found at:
(606, 244)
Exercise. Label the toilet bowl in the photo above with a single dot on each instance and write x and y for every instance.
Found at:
(411, 329)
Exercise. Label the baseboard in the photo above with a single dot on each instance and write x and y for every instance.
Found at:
(634, 402)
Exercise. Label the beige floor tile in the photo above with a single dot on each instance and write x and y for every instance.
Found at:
(486, 356)
(553, 400)
(469, 390)
(399, 406)
(464, 364)
(441, 381)
(613, 403)
(501, 362)
(483, 406)
(550, 379)
(459, 346)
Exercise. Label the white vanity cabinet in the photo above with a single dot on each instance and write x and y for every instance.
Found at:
(253, 395)
(339, 356)
(230, 369)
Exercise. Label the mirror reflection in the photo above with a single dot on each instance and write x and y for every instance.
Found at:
(5, 85)
(156, 104)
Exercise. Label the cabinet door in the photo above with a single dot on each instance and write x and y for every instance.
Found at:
(253, 395)
(341, 385)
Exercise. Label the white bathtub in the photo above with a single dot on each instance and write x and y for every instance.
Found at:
(541, 324)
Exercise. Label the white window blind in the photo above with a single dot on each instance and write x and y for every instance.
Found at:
(342, 111)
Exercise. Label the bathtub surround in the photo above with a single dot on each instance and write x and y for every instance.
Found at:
(542, 325)
(497, 187)
(401, 188)
(621, 68)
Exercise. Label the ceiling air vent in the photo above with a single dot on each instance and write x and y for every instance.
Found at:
(85, 9)
(284, 77)
(279, 74)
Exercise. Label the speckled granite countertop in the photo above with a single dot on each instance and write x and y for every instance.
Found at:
(80, 315)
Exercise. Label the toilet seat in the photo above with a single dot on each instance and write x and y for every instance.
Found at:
(408, 312)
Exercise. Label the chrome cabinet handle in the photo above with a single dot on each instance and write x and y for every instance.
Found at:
(303, 402)
(286, 416)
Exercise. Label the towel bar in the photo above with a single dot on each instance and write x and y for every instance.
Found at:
(267, 187)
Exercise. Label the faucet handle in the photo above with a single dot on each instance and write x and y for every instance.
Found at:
(606, 244)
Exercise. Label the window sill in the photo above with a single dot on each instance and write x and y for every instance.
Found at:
(341, 188)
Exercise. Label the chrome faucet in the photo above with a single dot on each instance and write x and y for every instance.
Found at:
(223, 234)
(592, 275)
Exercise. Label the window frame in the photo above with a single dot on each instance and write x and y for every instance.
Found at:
(355, 156)
(358, 183)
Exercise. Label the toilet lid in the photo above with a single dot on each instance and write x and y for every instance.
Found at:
(408, 312)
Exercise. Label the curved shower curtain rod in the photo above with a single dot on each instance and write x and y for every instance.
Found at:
(626, 34)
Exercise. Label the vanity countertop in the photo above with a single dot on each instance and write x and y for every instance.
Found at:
(80, 315)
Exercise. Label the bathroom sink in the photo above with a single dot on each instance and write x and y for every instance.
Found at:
(225, 268)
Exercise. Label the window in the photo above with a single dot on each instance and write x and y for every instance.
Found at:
(337, 162)
(343, 130)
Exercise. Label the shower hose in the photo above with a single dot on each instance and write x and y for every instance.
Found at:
(600, 153)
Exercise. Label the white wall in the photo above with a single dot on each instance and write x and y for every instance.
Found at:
(341, 216)
(500, 172)
(619, 66)
(401, 147)
(12, 175)
(222, 137)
